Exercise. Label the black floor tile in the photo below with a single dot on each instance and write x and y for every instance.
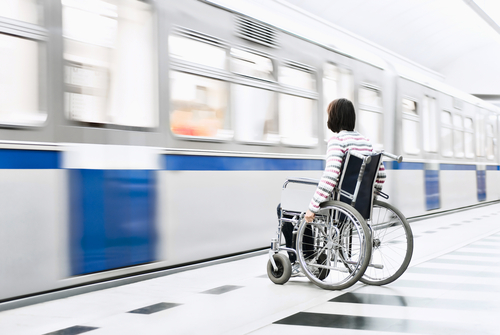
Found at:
(404, 301)
(72, 330)
(376, 324)
(222, 289)
(154, 308)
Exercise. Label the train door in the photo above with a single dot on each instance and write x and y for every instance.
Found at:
(430, 126)
(481, 122)
(407, 178)
(457, 176)
(491, 154)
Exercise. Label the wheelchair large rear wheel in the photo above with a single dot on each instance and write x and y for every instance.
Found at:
(392, 245)
(334, 249)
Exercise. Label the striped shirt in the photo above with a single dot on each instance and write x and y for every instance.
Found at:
(338, 145)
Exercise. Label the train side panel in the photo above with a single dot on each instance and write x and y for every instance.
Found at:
(33, 221)
(209, 213)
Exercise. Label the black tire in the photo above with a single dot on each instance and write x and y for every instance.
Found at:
(282, 275)
(392, 245)
(334, 250)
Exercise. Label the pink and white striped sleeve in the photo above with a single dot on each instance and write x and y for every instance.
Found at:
(380, 177)
(335, 154)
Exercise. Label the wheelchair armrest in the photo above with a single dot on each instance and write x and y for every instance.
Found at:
(307, 181)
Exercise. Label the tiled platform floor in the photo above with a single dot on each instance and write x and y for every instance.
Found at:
(451, 287)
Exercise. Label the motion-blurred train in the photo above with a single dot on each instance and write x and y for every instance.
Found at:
(143, 135)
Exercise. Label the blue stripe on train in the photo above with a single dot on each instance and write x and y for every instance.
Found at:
(112, 221)
(432, 178)
(29, 159)
(481, 185)
(457, 167)
(392, 165)
(218, 163)
(432, 199)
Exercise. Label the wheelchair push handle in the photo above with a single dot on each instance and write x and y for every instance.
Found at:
(399, 158)
(366, 159)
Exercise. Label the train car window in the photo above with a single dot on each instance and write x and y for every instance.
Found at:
(22, 10)
(446, 134)
(480, 135)
(110, 72)
(429, 124)
(255, 114)
(370, 97)
(297, 78)
(199, 106)
(491, 138)
(331, 84)
(458, 136)
(458, 121)
(346, 87)
(468, 124)
(369, 120)
(446, 118)
(410, 107)
(410, 131)
(252, 65)
(337, 83)
(296, 115)
(190, 50)
(22, 69)
(469, 137)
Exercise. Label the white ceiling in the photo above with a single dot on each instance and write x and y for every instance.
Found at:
(447, 36)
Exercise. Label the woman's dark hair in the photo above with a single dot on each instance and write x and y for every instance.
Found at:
(341, 115)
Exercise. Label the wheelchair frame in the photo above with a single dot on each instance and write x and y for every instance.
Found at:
(335, 250)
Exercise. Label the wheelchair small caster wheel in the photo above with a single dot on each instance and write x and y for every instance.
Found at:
(284, 271)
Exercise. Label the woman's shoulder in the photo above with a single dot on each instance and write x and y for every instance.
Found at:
(345, 137)
(353, 135)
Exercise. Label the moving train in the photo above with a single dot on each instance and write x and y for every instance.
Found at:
(144, 135)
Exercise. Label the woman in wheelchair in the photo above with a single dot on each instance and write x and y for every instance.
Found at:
(341, 121)
(346, 234)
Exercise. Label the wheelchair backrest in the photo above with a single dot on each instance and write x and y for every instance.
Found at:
(349, 178)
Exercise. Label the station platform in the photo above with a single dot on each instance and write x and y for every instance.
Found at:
(451, 287)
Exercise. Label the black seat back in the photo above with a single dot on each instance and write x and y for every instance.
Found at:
(349, 178)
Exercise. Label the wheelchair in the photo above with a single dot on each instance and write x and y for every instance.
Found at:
(353, 237)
